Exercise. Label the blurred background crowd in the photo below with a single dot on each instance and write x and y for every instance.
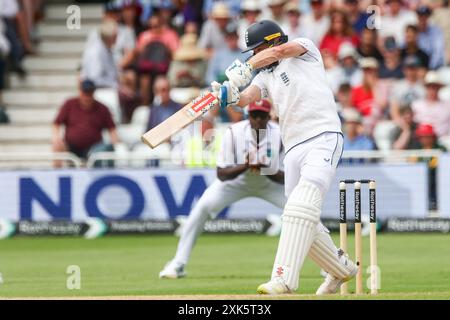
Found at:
(388, 66)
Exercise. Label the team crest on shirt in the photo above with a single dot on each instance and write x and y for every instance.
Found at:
(285, 78)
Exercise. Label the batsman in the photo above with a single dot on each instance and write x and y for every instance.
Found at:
(292, 75)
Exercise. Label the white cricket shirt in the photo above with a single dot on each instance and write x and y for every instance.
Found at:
(238, 141)
(301, 96)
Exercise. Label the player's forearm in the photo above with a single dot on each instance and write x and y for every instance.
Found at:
(249, 95)
(277, 177)
(274, 54)
(231, 173)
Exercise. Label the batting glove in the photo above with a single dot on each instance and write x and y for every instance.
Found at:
(240, 74)
(228, 94)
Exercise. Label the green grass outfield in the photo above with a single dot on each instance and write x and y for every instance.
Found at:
(413, 266)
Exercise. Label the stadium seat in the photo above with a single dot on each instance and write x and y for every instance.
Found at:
(444, 93)
(121, 150)
(110, 98)
(131, 133)
(140, 116)
(142, 152)
(381, 134)
(444, 74)
(184, 95)
(445, 141)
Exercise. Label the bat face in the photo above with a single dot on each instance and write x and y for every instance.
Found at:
(179, 120)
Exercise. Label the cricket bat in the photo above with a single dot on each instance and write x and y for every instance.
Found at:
(188, 114)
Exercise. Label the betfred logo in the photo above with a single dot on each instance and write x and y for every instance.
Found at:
(203, 102)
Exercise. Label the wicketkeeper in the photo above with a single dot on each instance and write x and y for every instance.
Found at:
(248, 165)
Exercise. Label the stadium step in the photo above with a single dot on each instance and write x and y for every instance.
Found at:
(25, 147)
(52, 64)
(58, 47)
(17, 133)
(57, 30)
(58, 12)
(36, 98)
(33, 116)
(44, 81)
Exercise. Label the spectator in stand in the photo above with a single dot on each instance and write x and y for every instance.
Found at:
(344, 98)
(275, 12)
(9, 10)
(131, 12)
(403, 135)
(98, 63)
(152, 55)
(163, 107)
(431, 39)
(84, 119)
(165, 10)
(251, 9)
(4, 51)
(340, 32)
(407, 90)
(192, 11)
(431, 110)
(441, 12)
(125, 40)
(157, 31)
(233, 5)
(412, 48)
(219, 62)
(333, 70)
(391, 68)
(316, 23)
(427, 137)
(292, 26)
(371, 97)
(212, 36)
(358, 18)
(354, 139)
(224, 57)
(395, 20)
(348, 58)
(189, 65)
(368, 45)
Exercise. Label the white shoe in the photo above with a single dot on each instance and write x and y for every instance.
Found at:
(331, 284)
(173, 270)
(273, 287)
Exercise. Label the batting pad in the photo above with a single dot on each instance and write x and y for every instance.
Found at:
(299, 221)
(325, 254)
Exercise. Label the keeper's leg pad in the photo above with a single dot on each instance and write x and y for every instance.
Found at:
(325, 254)
(299, 220)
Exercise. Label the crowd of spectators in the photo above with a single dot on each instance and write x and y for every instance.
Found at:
(387, 62)
(387, 67)
(17, 39)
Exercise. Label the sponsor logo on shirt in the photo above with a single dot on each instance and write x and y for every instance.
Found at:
(285, 78)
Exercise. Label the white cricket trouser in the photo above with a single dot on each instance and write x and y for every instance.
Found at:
(310, 168)
(313, 161)
(217, 197)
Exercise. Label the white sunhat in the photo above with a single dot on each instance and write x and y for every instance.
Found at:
(347, 50)
(432, 77)
(250, 5)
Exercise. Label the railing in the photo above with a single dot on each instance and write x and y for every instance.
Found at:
(21, 157)
(391, 155)
(144, 160)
